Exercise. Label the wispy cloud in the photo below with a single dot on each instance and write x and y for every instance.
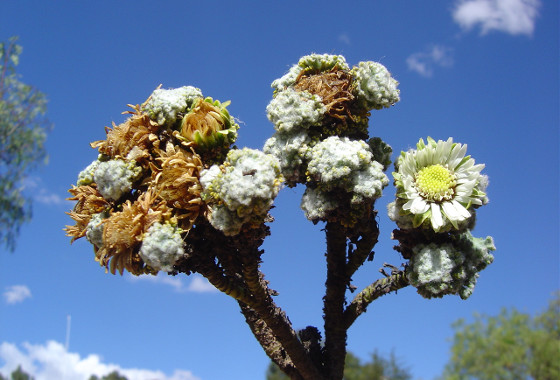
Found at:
(424, 62)
(53, 361)
(39, 193)
(344, 38)
(48, 198)
(510, 16)
(16, 294)
(200, 285)
(196, 284)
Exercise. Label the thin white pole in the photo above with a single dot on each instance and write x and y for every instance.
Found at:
(68, 320)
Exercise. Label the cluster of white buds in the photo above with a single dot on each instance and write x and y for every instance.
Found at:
(171, 167)
(241, 190)
(438, 191)
(320, 111)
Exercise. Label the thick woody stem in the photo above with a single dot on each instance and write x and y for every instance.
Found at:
(273, 317)
(333, 309)
(269, 343)
(377, 289)
(225, 284)
(369, 232)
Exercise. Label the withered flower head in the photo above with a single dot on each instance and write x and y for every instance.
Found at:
(78, 230)
(208, 125)
(132, 139)
(89, 202)
(333, 87)
(175, 180)
(123, 232)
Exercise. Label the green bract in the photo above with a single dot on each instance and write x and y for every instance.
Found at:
(94, 230)
(85, 177)
(317, 204)
(322, 62)
(208, 125)
(341, 167)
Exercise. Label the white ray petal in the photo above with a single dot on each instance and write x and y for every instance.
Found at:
(437, 219)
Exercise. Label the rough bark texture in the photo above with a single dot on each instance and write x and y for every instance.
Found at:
(337, 281)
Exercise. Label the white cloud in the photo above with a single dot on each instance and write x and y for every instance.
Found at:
(423, 62)
(48, 198)
(509, 16)
(201, 285)
(197, 284)
(34, 187)
(16, 293)
(52, 361)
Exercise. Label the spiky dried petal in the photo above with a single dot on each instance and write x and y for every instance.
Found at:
(135, 137)
(79, 229)
(123, 231)
(89, 200)
(175, 180)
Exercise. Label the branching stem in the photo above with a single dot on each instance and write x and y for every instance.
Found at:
(270, 317)
(269, 343)
(383, 286)
(369, 232)
(333, 309)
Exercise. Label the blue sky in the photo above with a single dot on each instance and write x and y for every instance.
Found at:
(483, 71)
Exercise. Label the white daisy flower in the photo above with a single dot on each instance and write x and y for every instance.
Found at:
(439, 184)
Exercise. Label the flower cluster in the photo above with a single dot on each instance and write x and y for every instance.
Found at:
(241, 190)
(162, 246)
(167, 178)
(449, 268)
(376, 88)
(320, 111)
(138, 200)
(165, 106)
(341, 164)
(438, 191)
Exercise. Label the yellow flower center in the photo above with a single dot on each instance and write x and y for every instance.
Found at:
(436, 183)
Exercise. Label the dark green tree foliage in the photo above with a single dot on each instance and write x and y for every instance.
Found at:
(379, 368)
(18, 374)
(23, 130)
(512, 345)
(111, 376)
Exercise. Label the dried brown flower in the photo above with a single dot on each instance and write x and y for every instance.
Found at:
(89, 202)
(175, 180)
(79, 229)
(333, 87)
(123, 232)
(204, 119)
(132, 139)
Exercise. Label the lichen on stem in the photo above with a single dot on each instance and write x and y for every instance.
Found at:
(359, 304)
